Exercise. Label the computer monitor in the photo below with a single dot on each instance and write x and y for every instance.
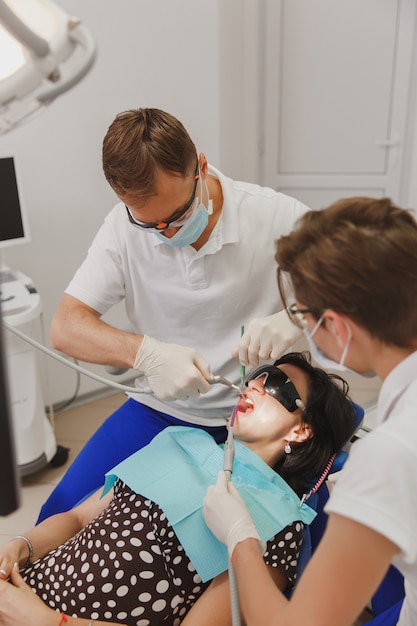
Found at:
(13, 222)
(9, 492)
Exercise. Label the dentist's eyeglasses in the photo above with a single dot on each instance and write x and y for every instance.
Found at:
(177, 220)
(279, 386)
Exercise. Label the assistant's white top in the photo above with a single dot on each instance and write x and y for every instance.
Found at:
(378, 485)
(198, 299)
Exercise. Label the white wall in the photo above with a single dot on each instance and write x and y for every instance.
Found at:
(150, 53)
(410, 172)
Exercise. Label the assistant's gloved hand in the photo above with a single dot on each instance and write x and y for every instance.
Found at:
(267, 338)
(174, 372)
(227, 516)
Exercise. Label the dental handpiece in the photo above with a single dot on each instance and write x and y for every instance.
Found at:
(223, 381)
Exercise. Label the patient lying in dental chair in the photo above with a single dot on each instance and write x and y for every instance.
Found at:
(142, 554)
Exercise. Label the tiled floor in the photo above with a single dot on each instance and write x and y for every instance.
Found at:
(72, 429)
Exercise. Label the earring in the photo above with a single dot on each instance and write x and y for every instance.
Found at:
(287, 448)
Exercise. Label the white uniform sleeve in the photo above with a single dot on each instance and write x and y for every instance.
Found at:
(99, 281)
(377, 487)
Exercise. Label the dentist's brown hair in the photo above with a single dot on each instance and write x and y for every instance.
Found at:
(141, 142)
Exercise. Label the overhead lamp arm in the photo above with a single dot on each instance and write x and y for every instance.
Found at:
(22, 32)
(76, 33)
(54, 71)
(81, 36)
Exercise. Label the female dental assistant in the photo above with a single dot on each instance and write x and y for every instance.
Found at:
(353, 267)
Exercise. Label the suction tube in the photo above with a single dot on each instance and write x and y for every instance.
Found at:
(229, 448)
(229, 454)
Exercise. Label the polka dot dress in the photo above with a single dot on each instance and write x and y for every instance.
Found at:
(127, 566)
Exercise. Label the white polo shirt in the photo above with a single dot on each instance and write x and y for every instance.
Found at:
(197, 299)
(378, 484)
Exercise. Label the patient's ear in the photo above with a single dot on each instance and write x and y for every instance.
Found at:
(301, 432)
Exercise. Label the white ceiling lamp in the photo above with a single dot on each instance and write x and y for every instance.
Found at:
(43, 53)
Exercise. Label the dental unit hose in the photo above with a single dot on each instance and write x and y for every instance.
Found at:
(228, 458)
(62, 359)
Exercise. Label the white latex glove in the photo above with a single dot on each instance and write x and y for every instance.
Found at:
(267, 338)
(227, 516)
(174, 372)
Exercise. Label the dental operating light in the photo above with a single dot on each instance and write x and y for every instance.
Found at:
(43, 53)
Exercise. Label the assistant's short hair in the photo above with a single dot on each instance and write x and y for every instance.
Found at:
(358, 256)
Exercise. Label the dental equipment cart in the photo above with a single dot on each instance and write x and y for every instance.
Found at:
(34, 437)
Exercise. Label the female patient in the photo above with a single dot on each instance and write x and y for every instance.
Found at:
(130, 558)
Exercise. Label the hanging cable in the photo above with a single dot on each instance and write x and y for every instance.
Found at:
(74, 366)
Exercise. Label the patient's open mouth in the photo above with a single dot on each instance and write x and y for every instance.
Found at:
(245, 404)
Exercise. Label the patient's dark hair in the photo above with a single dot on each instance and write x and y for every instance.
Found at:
(331, 416)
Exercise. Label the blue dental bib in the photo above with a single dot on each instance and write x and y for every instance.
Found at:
(174, 471)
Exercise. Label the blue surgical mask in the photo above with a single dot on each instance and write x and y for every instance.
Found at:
(320, 357)
(192, 228)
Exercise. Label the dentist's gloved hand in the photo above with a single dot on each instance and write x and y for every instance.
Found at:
(266, 338)
(174, 372)
(227, 516)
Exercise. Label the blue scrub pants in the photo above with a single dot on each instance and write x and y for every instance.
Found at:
(127, 430)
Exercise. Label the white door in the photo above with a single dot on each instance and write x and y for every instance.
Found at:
(338, 76)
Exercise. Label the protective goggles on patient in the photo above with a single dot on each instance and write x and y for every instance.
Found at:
(279, 386)
(177, 220)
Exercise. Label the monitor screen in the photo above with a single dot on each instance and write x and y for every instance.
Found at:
(13, 222)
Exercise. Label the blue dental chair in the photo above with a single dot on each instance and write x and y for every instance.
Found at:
(388, 599)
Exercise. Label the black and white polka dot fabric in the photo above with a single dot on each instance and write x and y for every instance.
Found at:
(127, 566)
